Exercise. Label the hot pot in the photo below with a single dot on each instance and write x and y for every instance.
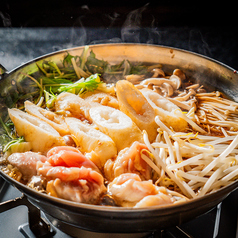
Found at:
(214, 75)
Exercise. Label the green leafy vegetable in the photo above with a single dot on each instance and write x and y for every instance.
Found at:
(54, 84)
(13, 142)
(137, 68)
(50, 98)
(83, 85)
(95, 65)
(84, 57)
(7, 126)
(8, 137)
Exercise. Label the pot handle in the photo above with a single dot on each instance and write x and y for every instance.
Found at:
(3, 72)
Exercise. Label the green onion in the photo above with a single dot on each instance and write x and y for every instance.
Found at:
(12, 142)
(89, 84)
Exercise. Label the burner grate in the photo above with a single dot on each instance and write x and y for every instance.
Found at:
(38, 225)
(175, 232)
(27, 232)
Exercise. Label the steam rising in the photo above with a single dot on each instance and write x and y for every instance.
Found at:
(198, 44)
(19, 45)
(6, 19)
(130, 31)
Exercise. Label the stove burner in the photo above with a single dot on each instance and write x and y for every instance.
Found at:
(42, 225)
(175, 232)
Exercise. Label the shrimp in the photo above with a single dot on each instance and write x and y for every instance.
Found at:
(128, 161)
(67, 174)
(26, 163)
(159, 199)
(72, 183)
(68, 156)
(135, 105)
(128, 190)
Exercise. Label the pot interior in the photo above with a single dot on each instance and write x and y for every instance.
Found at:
(200, 69)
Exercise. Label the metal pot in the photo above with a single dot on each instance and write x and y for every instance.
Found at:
(203, 70)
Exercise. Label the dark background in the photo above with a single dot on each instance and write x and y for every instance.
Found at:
(107, 13)
(32, 28)
(205, 27)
